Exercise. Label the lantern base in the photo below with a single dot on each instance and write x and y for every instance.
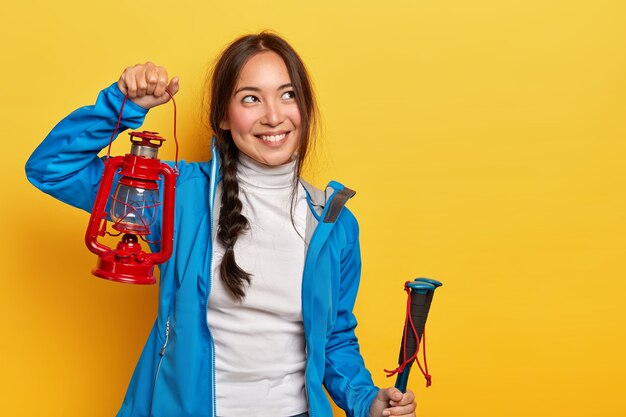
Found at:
(128, 273)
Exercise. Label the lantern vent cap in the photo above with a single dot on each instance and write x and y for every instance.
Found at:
(145, 144)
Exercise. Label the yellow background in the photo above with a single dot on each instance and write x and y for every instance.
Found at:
(485, 139)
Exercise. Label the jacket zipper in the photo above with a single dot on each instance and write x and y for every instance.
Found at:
(210, 281)
(167, 336)
(161, 353)
(306, 387)
(213, 350)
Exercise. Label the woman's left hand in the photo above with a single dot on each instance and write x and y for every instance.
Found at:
(391, 402)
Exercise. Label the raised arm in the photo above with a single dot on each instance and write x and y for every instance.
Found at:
(66, 164)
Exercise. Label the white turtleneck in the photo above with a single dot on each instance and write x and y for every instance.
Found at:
(259, 343)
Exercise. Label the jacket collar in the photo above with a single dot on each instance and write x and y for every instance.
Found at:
(325, 206)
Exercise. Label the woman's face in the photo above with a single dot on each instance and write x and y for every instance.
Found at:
(263, 116)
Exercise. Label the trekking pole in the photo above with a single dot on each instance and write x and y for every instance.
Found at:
(420, 295)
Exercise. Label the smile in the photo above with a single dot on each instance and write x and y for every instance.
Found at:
(273, 138)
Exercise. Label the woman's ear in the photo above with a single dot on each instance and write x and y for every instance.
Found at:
(224, 125)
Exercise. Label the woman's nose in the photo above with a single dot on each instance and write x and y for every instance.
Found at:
(273, 115)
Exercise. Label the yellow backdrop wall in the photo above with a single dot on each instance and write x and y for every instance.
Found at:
(485, 139)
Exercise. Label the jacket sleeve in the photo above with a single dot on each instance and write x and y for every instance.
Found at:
(66, 164)
(347, 380)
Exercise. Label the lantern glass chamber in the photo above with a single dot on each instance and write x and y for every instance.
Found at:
(134, 208)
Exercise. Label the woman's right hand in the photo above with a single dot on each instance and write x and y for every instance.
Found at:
(146, 85)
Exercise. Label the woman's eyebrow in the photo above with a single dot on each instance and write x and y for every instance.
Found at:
(258, 90)
(255, 89)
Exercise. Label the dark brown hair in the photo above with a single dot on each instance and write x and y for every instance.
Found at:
(222, 84)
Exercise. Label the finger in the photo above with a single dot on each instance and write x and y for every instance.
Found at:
(131, 84)
(174, 86)
(140, 78)
(389, 394)
(152, 78)
(405, 410)
(122, 83)
(407, 398)
(394, 394)
(161, 82)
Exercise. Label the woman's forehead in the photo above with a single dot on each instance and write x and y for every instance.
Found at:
(265, 70)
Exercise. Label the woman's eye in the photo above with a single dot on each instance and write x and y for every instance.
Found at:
(249, 99)
(288, 95)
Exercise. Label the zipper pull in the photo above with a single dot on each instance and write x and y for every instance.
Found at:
(167, 335)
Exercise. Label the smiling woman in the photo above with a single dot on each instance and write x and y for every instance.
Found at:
(263, 337)
(260, 91)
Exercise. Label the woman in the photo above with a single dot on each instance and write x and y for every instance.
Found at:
(255, 305)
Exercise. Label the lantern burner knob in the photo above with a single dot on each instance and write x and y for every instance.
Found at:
(128, 238)
(129, 247)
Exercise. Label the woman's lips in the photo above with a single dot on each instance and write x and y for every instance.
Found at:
(273, 139)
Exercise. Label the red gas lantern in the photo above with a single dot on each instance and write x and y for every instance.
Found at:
(133, 209)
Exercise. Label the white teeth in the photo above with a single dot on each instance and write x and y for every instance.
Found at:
(273, 138)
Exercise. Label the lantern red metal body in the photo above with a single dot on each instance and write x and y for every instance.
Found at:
(132, 211)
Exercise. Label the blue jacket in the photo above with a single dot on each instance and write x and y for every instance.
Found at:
(175, 373)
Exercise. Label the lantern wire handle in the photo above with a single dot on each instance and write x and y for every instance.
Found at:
(117, 126)
(119, 120)
(175, 138)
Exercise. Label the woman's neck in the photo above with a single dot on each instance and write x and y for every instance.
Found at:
(257, 175)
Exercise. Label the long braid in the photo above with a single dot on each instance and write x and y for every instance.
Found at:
(231, 222)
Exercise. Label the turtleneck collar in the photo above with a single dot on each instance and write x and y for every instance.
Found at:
(253, 174)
